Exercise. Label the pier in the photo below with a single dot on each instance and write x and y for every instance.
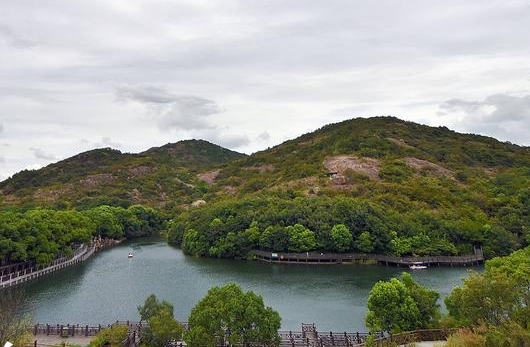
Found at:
(388, 260)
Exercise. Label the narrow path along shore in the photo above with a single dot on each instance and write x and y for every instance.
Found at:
(81, 254)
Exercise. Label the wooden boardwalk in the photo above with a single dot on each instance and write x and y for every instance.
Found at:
(339, 258)
(308, 336)
(16, 274)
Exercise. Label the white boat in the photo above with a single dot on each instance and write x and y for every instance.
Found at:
(130, 255)
(417, 266)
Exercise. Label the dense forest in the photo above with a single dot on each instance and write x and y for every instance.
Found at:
(42, 235)
(367, 185)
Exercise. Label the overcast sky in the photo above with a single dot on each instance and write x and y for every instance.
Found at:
(248, 74)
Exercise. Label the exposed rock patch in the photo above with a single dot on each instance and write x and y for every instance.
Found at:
(341, 163)
(93, 181)
(210, 176)
(140, 171)
(46, 194)
(198, 203)
(420, 164)
(400, 142)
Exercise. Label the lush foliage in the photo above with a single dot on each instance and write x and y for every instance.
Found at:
(499, 294)
(340, 224)
(239, 317)
(401, 305)
(42, 235)
(496, 303)
(110, 337)
(162, 325)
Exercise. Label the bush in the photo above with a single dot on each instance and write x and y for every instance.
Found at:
(466, 338)
(111, 337)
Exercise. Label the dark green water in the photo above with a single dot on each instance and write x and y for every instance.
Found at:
(109, 287)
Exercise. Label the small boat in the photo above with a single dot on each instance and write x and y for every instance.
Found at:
(130, 255)
(417, 266)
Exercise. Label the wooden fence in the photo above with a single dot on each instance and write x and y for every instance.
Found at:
(338, 258)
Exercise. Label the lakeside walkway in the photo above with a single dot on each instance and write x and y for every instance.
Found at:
(28, 273)
(388, 260)
(81, 254)
(308, 336)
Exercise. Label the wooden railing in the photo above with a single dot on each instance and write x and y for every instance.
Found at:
(335, 258)
(412, 336)
(308, 337)
(80, 255)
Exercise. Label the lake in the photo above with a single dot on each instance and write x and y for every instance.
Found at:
(109, 286)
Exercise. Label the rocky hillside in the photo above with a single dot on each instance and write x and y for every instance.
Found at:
(397, 186)
(163, 177)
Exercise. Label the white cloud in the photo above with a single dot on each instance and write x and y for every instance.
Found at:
(107, 142)
(504, 116)
(230, 71)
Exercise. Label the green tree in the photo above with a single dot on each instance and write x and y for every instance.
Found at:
(426, 300)
(392, 308)
(152, 307)
(239, 317)
(341, 238)
(274, 238)
(162, 326)
(364, 243)
(301, 239)
(106, 220)
(501, 293)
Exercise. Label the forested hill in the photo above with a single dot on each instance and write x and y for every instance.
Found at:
(397, 187)
(370, 185)
(163, 177)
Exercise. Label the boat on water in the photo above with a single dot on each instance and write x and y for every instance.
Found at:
(417, 266)
(130, 255)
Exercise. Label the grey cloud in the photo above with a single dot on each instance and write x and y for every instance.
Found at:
(1, 128)
(180, 112)
(264, 136)
(183, 113)
(13, 39)
(504, 116)
(41, 154)
(2, 159)
(494, 108)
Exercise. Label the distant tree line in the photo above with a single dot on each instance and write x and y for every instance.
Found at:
(233, 228)
(42, 235)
